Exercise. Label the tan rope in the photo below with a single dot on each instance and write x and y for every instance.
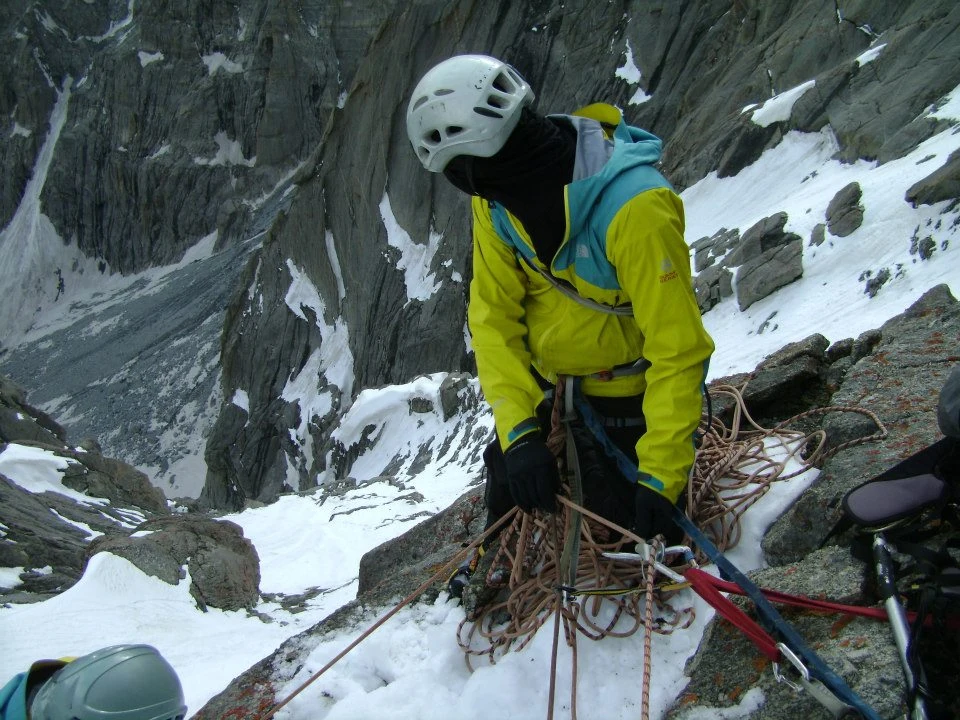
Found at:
(648, 631)
(734, 468)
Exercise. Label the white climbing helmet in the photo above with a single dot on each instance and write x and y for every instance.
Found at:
(466, 105)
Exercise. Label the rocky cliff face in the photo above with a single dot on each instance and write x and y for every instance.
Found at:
(180, 113)
(278, 126)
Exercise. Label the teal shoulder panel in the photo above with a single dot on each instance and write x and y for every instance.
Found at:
(506, 231)
(586, 252)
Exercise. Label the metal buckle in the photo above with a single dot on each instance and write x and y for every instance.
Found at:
(644, 554)
(834, 705)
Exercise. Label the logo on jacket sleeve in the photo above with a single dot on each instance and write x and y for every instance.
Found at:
(667, 272)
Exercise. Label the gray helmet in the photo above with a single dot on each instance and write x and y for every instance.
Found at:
(122, 682)
(466, 105)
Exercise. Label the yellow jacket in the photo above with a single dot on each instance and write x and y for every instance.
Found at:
(624, 244)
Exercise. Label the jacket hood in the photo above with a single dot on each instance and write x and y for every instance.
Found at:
(600, 159)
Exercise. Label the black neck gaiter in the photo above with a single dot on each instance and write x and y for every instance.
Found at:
(527, 177)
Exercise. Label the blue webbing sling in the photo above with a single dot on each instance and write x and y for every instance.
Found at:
(771, 620)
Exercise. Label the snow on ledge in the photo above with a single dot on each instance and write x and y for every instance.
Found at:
(779, 107)
(147, 58)
(869, 55)
(631, 73)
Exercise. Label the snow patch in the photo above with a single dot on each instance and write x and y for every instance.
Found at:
(229, 152)
(870, 55)
(333, 360)
(334, 263)
(631, 73)
(218, 61)
(779, 107)
(241, 400)
(415, 259)
(948, 108)
(38, 471)
(147, 58)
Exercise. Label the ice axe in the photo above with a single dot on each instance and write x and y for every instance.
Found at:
(898, 619)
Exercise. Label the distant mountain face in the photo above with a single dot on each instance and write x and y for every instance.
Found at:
(276, 130)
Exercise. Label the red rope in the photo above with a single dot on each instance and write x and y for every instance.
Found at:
(704, 578)
(702, 583)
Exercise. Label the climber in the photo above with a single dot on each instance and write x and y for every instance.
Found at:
(122, 682)
(580, 269)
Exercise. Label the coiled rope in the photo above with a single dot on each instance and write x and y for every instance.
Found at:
(734, 468)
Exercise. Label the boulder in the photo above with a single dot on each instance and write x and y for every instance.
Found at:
(223, 565)
(762, 237)
(115, 480)
(819, 235)
(844, 212)
(759, 277)
(708, 250)
(942, 184)
(712, 285)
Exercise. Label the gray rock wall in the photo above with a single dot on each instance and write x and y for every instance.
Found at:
(136, 179)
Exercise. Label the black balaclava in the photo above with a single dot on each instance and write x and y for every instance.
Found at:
(526, 176)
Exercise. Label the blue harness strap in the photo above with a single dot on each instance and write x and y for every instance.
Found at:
(816, 677)
(774, 623)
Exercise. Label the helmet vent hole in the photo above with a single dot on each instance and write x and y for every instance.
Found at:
(453, 130)
(442, 92)
(487, 112)
(434, 136)
(504, 84)
(420, 101)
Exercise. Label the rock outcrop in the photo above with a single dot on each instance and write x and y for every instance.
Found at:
(105, 505)
(223, 565)
(845, 213)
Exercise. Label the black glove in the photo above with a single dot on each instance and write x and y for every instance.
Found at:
(653, 515)
(532, 474)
